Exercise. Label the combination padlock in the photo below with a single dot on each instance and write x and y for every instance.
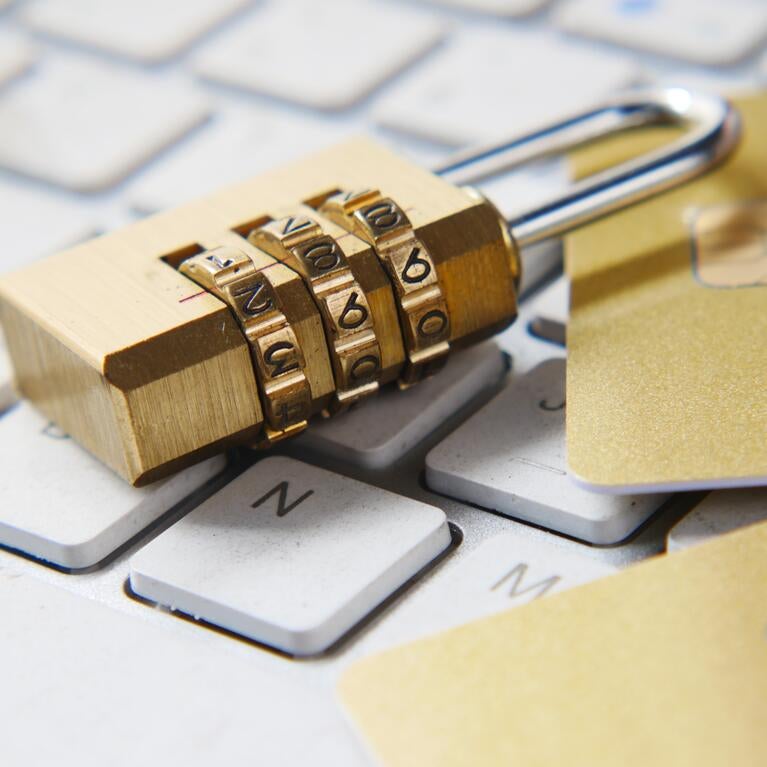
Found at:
(238, 318)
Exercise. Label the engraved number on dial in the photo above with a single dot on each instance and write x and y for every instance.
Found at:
(364, 367)
(278, 356)
(432, 324)
(323, 256)
(258, 299)
(354, 314)
(295, 224)
(416, 269)
(290, 411)
(382, 215)
(221, 264)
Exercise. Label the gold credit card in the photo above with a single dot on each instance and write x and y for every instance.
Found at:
(667, 338)
(663, 664)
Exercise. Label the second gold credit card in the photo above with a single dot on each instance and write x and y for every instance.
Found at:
(667, 339)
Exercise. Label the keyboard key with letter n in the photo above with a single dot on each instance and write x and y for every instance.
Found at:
(290, 555)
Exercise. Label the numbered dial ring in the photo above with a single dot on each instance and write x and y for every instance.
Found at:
(421, 303)
(299, 241)
(279, 364)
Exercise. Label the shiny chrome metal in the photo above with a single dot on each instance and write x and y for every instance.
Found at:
(712, 131)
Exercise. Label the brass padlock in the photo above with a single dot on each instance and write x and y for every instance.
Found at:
(237, 318)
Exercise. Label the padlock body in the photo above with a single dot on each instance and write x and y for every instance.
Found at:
(151, 373)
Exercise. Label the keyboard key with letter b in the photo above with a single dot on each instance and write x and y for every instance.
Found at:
(510, 457)
(290, 555)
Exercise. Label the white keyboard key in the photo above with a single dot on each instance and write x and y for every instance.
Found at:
(550, 310)
(324, 55)
(700, 31)
(59, 504)
(504, 571)
(16, 54)
(510, 457)
(36, 223)
(86, 125)
(497, 7)
(290, 555)
(377, 433)
(107, 687)
(141, 29)
(7, 394)
(720, 512)
(237, 144)
(490, 83)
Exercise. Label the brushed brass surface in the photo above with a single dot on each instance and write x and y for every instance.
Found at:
(151, 372)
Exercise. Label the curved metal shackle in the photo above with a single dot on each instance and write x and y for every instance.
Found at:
(712, 131)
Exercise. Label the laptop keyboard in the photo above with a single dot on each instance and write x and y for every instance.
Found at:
(411, 513)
